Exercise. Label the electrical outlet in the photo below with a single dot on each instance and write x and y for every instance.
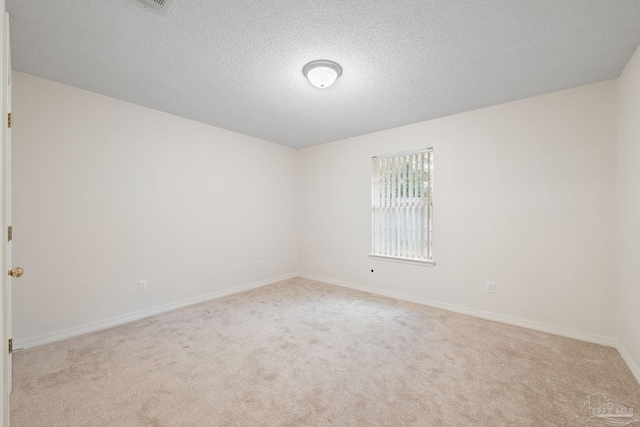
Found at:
(142, 286)
(237, 268)
(259, 264)
(328, 262)
(491, 287)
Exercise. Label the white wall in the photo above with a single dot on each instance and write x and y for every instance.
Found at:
(107, 193)
(524, 196)
(628, 291)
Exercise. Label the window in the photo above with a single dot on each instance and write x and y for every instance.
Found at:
(402, 207)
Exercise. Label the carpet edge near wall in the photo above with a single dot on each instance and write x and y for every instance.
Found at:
(515, 321)
(137, 315)
(509, 320)
(633, 367)
(537, 326)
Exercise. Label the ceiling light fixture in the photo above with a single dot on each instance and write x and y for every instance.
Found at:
(322, 73)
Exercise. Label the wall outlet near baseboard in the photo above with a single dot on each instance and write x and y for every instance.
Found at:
(491, 287)
(237, 268)
(142, 286)
(328, 262)
(259, 264)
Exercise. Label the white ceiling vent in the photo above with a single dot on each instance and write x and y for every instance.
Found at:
(158, 6)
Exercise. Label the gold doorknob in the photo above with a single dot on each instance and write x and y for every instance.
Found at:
(16, 272)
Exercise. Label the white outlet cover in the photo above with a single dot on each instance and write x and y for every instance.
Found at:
(491, 287)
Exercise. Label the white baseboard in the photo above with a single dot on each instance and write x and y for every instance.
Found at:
(629, 361)
(529, 324)
(119, 320)
(538, 326)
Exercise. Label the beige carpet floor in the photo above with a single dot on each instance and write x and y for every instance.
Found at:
(303, 353)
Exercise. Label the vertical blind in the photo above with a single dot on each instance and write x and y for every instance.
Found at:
(402, 205)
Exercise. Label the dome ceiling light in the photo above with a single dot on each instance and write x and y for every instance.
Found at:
(322, 73)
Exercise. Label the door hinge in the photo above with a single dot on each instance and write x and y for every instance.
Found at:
(13, 350)
(10, 120)
(10, 234)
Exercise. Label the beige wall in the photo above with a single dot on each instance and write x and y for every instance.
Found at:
(106, 193)
(524, 195)
(628, 290)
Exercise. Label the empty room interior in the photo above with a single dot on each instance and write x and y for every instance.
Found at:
(321, 213)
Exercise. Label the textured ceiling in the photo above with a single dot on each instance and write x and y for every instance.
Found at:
(237, 64)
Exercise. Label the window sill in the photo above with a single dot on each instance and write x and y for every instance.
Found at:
(421, 262)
